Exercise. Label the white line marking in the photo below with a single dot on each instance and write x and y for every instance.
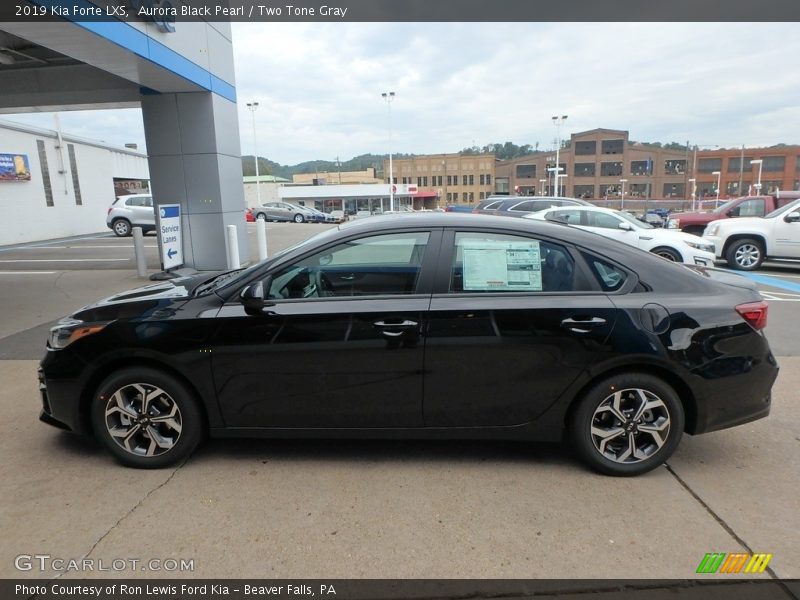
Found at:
(77, 247)
(28, 272)
(26, 260)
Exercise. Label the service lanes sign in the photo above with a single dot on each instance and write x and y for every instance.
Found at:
(169, 235)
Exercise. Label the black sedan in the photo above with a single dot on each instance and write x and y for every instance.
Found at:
(425, 326)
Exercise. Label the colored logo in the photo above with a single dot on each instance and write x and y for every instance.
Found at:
(736, 562)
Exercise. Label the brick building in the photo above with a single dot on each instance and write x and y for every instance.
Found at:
(455, 178)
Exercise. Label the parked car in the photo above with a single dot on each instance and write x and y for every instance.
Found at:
(248, 215)
(746, 206)
(518, 206)
(127, 212)
(462, 208)
(319, 216)
(653, 218)
(283, 211)
(746, 242)
(624, 227)
(376, 328)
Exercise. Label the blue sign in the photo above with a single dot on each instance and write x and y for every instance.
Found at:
(170, 235)
(14, 167)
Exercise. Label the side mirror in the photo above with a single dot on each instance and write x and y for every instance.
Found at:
(792, 217)
(625, 226)
(253, 297)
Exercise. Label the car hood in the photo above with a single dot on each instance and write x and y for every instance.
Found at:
(696, 216)
(158, 300)
(673, 235)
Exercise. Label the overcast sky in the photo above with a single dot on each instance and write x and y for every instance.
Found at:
(458, 84)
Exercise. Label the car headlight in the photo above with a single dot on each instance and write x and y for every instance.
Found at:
(674, 224)
(712, 230)
(705, 246)
(68, 331)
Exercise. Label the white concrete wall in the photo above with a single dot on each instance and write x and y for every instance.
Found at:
(268, 192)
(23, 204)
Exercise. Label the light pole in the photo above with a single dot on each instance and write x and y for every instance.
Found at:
(389, 96)
(719, 178)
(760, 163)
(559, 177)
(252, 106)
(542, 182)
(558, 121)
(554, 172)
(693, 181)
(622, 194)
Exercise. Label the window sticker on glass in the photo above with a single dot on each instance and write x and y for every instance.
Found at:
(502, 265)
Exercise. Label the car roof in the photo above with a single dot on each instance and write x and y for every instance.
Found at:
(600, 209)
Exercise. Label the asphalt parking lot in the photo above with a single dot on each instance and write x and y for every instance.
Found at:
(292, 509)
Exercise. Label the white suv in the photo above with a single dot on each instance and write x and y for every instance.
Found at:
(131, 211)
(747, 241)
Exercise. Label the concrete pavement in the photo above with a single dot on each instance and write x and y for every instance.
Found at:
(398, 509)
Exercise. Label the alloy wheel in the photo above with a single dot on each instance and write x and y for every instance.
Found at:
(630, 425)
(747, 255)
(143, 419)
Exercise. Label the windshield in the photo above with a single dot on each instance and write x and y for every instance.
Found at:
(632, 220)
(221, 283)
(784, 210)
(725, 207)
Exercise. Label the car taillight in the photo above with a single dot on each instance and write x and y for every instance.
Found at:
(755, 313)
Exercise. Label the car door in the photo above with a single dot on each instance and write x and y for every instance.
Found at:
(513, 321)
(341, 344)
(274, 211)
(140, 213)
(149, 217)
(786, 233)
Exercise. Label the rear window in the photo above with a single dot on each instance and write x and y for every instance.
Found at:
(609, 276)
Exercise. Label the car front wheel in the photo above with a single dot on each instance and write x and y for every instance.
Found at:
(627, 424)
(745, 255)
(121, 227)
(298, 218)
(146, 418)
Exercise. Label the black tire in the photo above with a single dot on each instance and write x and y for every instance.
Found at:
(298, 218)
(121, 227)
(261, 216)
(745, 254)
(667, 253)
(606, 454)
(182, 429)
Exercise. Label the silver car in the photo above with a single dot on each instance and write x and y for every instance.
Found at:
(283, 211)
(127, 212)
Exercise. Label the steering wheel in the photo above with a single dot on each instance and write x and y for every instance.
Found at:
(323, 285)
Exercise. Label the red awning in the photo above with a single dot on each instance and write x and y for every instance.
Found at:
(421, 194)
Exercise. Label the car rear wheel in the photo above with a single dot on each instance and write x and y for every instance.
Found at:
(298, 218)
(627, 424)
(261, 216)
(668, 253)
(146, 418)
(121, 227)
(745, 255)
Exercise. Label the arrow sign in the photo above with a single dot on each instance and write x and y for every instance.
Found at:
(170, 235)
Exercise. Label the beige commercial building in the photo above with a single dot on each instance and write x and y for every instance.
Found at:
(454, 178)
(337, 178)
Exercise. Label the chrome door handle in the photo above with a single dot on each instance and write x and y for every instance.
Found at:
(582, 325)
(401, 325)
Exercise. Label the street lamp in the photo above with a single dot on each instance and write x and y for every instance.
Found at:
(559, 177)
(558, 121)
(693, 181)
(389, 96)
(554, 174)
(252, 106)
(760, 163)
(622, 194)
(719, 177)
(542, 182)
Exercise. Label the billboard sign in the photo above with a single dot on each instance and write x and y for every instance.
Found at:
(14, 167)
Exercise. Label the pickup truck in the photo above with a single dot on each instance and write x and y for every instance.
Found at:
(745, 243)
(746, 206)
